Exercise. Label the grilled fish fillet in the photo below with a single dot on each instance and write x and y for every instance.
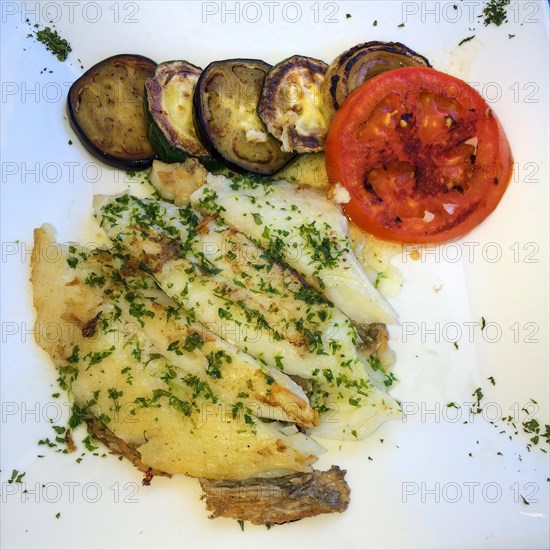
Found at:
(201, 265)
(258, 500)
(190, 346)
(306, 231)
(171, 418)
(232, 286)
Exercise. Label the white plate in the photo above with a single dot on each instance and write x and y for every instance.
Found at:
(421, 489)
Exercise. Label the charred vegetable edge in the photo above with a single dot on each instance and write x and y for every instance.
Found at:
(90, 146)
(201, 127)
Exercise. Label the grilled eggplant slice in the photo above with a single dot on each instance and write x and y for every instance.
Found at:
(360, 63)
(226, 119)
(290, 104)
(169, 111)
(105, 107)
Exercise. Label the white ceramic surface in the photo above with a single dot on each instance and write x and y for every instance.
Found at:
(419, 488)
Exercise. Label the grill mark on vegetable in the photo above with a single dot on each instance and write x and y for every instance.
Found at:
(221, 136)
(333, 86)
(276, 106)
(343, 82)
(370, 189)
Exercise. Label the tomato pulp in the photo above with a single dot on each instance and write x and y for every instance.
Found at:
(422, 155)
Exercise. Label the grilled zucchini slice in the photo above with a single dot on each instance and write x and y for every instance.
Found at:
(105, 108)
(169, 111)
(360, 63)
(290, 104)
(226, 119)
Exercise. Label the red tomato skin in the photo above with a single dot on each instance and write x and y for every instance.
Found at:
(494, 156)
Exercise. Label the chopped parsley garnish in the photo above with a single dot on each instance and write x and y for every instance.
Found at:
(467, 39)
(74, 358)
(115, 394)
(138, 311)
(175, 347)
(215, 363)
(496, 12)
(54, 43)
(16, 477)
(89, 445)
(193, 341)
(209, 202)
(97, 357)
(478, 394)
(77, 416)
(224, 314)
(309, 295)
(324, 249)
(94, 280)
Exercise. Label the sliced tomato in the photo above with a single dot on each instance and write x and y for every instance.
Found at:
(422, 155)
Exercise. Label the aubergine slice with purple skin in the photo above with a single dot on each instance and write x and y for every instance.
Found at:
(359, 64)
(290, 104)
(225, 104)
(169, 111)
(105, 108)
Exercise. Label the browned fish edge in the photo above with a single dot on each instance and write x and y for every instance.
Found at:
(269, 501)
(119, 447)
(262, 501)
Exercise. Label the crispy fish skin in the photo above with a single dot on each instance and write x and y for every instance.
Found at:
(119, 447)
(258, 500)
(278, 500)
